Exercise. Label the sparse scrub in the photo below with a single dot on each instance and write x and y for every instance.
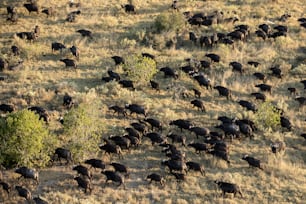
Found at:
(82, 131)
(25, 140)
(140, 69)
(267, 116)
(173, 21)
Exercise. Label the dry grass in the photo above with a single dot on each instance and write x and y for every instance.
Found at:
(117, 33)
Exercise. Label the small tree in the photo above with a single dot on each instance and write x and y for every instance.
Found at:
(140, 69)
(81, 130)
(169, 22)
(25, 140)
(267, 116)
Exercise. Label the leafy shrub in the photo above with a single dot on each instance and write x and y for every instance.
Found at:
(140, 69)
(169, 22)
(25, 140)
(81, 130)
(267, 116)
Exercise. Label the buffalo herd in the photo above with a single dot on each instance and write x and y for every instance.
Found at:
(183, 143)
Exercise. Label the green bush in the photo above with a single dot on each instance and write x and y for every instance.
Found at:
(25, 140)
(267, 116)
(140, 69)
(169, 22)
(81, 131)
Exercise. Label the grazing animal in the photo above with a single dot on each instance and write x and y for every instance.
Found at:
(13, 17)
(134, 141)
(199, 147)
(259, 96)
(27, 173)
(85, 33)
(157, 178)
(237, 35)
(127, 84)
(95, 163)
(202, 80)
(11, 10)
(237, 67)
(285, 123)
(118, 110)
(301, 100)
(264, 87)
(177, 138)
(175, 165)
(276, 71)
(213, 57)
(230, 129)
(122, 142)
(84, 183)
(278, 146)
(140, 127)
(39, 200)
(135, 108)
(57, 46)
(43, 114)
(154, 123)
(82, 170)
(205, 40)
(133, 132)
(200, 131)
(182, 124)
(253, 63)
(197, 93)
(168, 72)
(113, 176)
(154, 85)
(223, 91)
(304, 83)
(62, 153)
(129, 8)
(148, 55)
(155, 138)
(199, 104)
(6, 108)
(193, 37)
(30, 36)
(15, 50)
(220, 154)
(75, 51)
(196, 167)
(69, 62)
(3, 64)
(32, 7)
(303, 135)
(118, 60)
(49, 11)
(71, 17)
(174, 5)
(114, 75)
(178, 176)
(24, 192)
(205, 64)
(111, 148)
(259, 76)
(228, 188)
(6, 187)
(253, 162)
(292, 90)
(67, 101)
(120, 168)
(248, 105)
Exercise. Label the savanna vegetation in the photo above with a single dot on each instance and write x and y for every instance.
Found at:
(155, 28)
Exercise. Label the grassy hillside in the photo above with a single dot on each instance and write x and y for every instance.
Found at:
(44, 80)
